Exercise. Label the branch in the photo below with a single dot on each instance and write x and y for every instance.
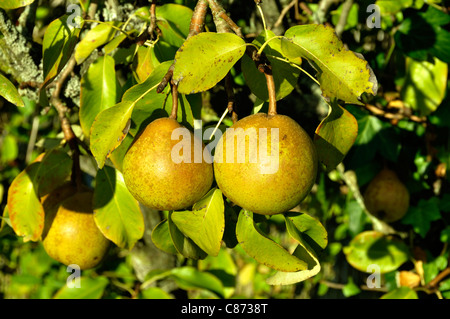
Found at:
(66, 127)
(343, 18)
(174, 113)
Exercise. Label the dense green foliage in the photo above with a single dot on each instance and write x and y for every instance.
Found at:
(392, 111)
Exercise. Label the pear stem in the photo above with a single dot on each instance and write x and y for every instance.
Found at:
(174, 113)
(272, 93)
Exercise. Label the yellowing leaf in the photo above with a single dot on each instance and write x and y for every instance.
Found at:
(342, 74)
(204, 59)
(25, 209)
(97, 36)
(14, 4)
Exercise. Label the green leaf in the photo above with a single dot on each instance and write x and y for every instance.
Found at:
(97, 36)
(204, 59)
(425, 85)
(9, 92)
(335, 136)
(400, 293)
(112, 124)
(98, 91)
(116, 211)
(155, 293)
(374, 248)
(342, 74)
(55, 168)
(308, 228)
(423, 35)
(307, 232)
(37, 179)
(59, 41)
(189, 278)
(90, 288)
(184, 245)
(161, 237)
(350, 289)
(14, 4)
(284, 74)
(421, 216)
(205, 223)
(9, 149)
(25, 210)
(263, 249)
(109, 129)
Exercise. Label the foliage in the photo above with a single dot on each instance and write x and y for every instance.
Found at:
(370, 97)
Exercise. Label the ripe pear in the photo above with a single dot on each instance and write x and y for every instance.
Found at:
(279, 167)
(163, 175)
(70, 234)
(386, 197)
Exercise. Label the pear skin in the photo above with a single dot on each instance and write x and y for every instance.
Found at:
(386, 197)
(158, 181)
(269, 183)
(70, 234)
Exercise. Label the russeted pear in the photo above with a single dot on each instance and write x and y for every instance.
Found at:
(70, 234)
(268, 180)
(154, 173)
(386, 197)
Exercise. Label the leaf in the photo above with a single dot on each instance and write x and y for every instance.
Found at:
(342, 74)
(263, 249)
(161, 237)
(189, 278)
(285, 76)
(374, 248)
(94, 38)
(37, 179)
(335, 136)
(400, 293)
(14, 4)
(116, 211)
(111, 125)
(421, 216)
(109, 129)
(55, 168)
(90, 288)
(423, 35)
(59, 41)
(308, 228)
(306, 231)
(204, 59)
(98, 91)
(425, 85)
(205, 223)
(185, 246)
(144, 63)
(9, 92)
(25, 210)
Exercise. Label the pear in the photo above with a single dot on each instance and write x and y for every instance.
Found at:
(70, 234)
(162, 175)
(386, 197)
(266, 164)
